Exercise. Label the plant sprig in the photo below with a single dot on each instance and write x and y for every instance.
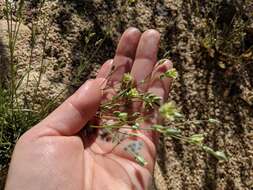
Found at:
(114, 119)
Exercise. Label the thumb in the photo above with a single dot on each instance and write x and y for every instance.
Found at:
(76, 111)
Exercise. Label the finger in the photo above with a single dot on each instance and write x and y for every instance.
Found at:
(76, 111)
(105, 70)
(160, 87)
(146, 57)
(125, 53)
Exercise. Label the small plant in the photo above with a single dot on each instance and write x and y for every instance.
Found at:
(17, 112)
(114, 121)
(91, 44)
(224, 33)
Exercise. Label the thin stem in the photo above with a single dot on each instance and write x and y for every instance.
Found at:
(42, 63)
(190, 122)
(118, 127)
(33, 41)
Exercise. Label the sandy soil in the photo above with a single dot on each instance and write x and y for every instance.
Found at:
(205, 88)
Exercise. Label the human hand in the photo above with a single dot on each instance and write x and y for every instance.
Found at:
(55, 155)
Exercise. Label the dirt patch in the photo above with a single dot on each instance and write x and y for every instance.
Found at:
(215, 77)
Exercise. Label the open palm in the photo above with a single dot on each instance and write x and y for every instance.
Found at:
(56, 155)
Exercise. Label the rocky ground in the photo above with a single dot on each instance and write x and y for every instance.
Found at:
(210, 43)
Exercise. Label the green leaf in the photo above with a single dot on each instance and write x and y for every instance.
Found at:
(197, 122)
(127, 78)
(134, 134)
(150, 100)
(196, 139)
(133, 93)
(217, 154)
(221, 155)
(208, 149)
(172, 132)
(214, 121)
(169, 111)
(99, 42)
(178, 115)
(140, 160)
(166, 131)
(136, 126)
(172, 73)
(158, 128)
(116, 113)
(121, 115)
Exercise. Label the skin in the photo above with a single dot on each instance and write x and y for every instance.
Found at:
(55, 155)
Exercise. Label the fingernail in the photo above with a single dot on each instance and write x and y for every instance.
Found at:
(165, 62)
(163, 66)
(168, 62)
